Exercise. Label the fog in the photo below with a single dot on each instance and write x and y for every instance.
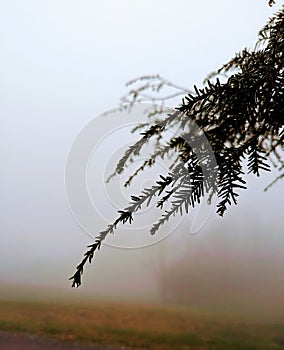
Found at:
(64, 63)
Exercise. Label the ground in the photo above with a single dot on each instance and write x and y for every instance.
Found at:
(16, 341)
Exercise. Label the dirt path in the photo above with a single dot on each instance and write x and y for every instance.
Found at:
(16, 341)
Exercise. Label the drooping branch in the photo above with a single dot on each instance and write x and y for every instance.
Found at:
(241, 119)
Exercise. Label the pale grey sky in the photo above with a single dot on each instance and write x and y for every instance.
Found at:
(66, 62)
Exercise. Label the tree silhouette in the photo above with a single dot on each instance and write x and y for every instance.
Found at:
(239, 112)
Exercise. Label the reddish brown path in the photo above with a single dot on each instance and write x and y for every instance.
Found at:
(16, 341)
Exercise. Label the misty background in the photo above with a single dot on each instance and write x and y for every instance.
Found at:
(64, 63)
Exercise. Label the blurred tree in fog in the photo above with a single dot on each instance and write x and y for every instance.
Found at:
(239, 113)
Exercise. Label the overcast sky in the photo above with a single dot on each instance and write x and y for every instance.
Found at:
(65, 62)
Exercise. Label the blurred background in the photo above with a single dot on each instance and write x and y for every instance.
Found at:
(63, 63)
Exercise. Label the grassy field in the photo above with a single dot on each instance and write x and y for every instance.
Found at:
(140, 325)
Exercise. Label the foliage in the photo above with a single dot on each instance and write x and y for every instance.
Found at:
(242, 119)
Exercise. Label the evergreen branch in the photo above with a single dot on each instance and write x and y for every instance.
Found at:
(189, 192)
(230, 178)
(135, 149)
(241, 118)
(256, 161)
(125, 216)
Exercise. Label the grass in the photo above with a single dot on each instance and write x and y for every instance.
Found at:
(139, 326)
